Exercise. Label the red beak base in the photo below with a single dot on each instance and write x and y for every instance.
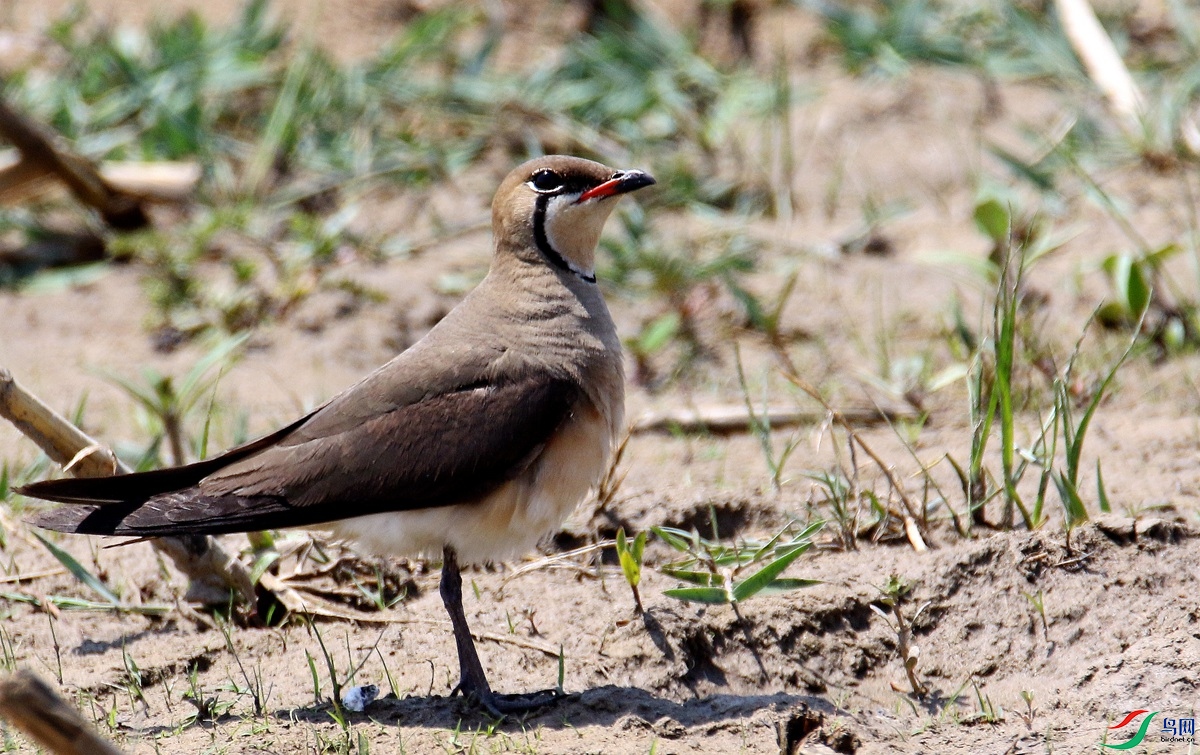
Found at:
(621, 183)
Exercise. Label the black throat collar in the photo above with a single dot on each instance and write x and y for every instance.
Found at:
(543, 243)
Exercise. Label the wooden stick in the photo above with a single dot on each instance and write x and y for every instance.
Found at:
(910, 516)
(1105, 67)
(34, 708)
(22, 180)
(212, 571)
(162, 181)
(38, 147)
(62, 441)
(734, 418)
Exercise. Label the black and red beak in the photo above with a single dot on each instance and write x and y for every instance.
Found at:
(622, 182)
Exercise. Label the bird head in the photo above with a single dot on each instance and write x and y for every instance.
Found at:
(555, 207)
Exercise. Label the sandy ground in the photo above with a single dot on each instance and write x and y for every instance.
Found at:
(813, 671)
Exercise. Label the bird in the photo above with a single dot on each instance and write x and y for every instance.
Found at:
(474, 443)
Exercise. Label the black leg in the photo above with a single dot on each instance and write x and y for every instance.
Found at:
(473, 683)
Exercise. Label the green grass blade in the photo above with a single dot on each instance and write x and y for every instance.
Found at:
(787, 584)
(1072, 504)
(82, 604)
(808, 532)
(562, 668)
(676, 538)
(630, 564)
(764, 576)
(761, 552)
(316, 679)
(1105, 506)
(709, 595)
(702, 578)
(1075, 447)
(279, 124)
(148, 399)
(261, 564)
(193, 385)
(77, 569)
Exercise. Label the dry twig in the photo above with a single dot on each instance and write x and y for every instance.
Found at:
(163, 181)
(42, 157)
(212, 571)
(734, 418)
(911, 518)
(1109, 73)
(1105, 67)
(33, 707)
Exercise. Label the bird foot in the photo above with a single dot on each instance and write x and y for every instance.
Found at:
(499, 706)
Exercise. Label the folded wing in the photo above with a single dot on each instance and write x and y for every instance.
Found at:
(444, 449)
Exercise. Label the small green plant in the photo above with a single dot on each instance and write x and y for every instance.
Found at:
(337, 712)
(630, 556)
(1145, 301)
(992, 386)
(999, 216)
(395, 691)
(1145, 297)
(897, 593)
(255, 687)
(989, 713)
(892, 36)
(208, 708)
(316, 679)
(170, 405)
(1038, 601)
(133, 679)
(562, 670)
(715, 570)
(654, 338)
(1030, 712)
(1005, 320)
(760, 426)
(766, 317)
(844, 506)
(989, 388)
(1074, 433)
(111, 601)
(380, 595)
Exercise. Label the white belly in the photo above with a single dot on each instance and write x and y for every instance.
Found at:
(508, 522)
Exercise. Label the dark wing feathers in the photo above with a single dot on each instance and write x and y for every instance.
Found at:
(143, 485)
(441, 450)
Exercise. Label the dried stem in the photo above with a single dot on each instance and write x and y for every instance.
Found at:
(1105, 67)
(735, 418)
(905, 649)
(43, 156)
(33, 707)
(212, 571)
(912, 520)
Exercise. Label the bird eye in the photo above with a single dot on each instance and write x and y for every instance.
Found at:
(546, 180)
